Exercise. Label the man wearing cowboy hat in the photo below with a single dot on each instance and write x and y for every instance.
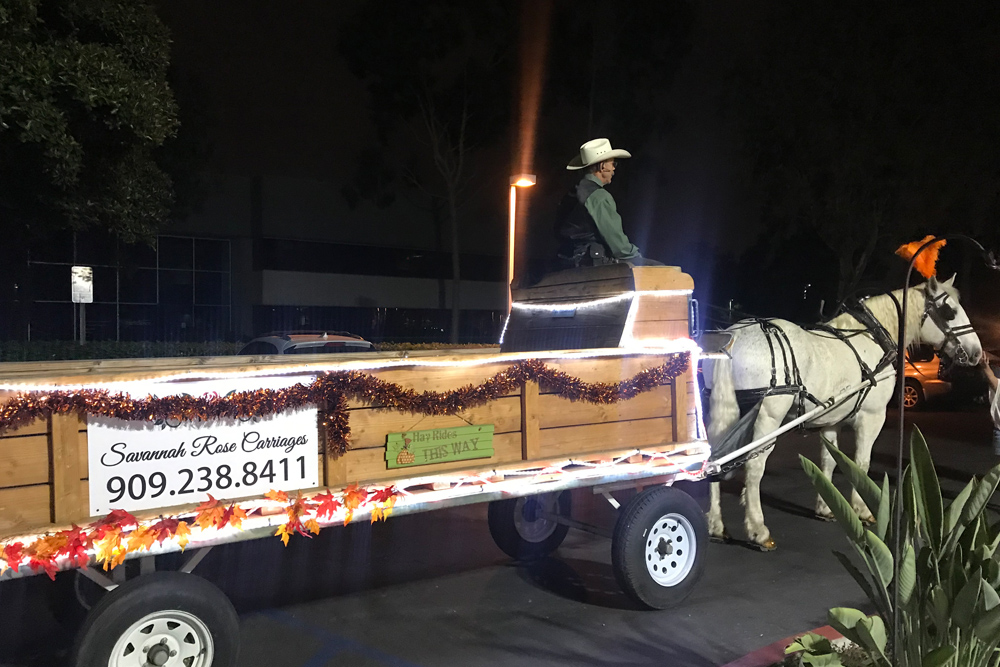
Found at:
(588, 226)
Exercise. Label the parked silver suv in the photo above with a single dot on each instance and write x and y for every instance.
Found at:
(307, 342)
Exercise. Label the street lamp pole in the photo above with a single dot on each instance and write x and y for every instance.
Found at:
(517, 181)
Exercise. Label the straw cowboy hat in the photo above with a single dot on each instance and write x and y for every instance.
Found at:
(594, 151)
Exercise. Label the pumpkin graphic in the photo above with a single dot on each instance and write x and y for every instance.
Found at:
(405, 456)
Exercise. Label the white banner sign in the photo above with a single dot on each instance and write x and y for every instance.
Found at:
(141, 465)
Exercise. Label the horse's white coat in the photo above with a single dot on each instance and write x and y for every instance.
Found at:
(827, 367)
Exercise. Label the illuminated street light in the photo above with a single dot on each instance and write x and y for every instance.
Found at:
(516, 181)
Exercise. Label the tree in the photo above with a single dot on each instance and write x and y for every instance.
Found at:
(438, 74)
(84, 106)
(866, 123)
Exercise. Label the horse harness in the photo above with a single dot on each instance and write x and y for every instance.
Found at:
(777, 338)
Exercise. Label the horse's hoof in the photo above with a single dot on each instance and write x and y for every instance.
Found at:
(870, 520)
(767, 545)
(720, 539)
(825, 517)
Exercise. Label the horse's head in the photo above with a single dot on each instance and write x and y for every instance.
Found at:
(945, 325)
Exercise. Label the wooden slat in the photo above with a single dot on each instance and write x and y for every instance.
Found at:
(584, 275)
(605, 369)
(555, 411)
(530, 421)
(660, 277)
(669, 329)
(594, 289)
(368, 465)
(39, 426)
(24, 460)
(67, 492)
(680, 398)
(24, 508)
(572, 440)
(336, 470)
(369, 426)
(661, 308)
(82, 453)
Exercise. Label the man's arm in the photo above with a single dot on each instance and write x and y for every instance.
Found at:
(601, 206)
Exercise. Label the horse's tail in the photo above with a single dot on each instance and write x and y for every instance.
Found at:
(723, 408)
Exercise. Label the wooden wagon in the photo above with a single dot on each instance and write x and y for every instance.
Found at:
(610, 403)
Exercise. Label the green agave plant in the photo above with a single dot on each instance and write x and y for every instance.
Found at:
(949, 573)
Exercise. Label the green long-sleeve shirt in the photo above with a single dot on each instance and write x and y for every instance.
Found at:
(602, 208)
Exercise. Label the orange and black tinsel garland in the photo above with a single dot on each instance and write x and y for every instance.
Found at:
(333, 390)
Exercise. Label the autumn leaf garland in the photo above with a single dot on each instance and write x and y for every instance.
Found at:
(118, 534)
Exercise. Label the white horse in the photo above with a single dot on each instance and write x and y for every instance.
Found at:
(826, 365)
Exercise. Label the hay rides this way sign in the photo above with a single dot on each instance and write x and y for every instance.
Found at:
(439, 445)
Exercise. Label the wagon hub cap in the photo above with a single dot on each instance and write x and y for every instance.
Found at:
(528, 519)
(168, 638)
(670, 549)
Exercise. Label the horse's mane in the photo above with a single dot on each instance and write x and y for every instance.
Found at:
(883, 308)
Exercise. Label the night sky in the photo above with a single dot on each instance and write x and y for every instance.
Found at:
(274, 95)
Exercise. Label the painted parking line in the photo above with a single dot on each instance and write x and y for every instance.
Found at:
(332, 644)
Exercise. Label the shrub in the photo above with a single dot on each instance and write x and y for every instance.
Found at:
(948, 572)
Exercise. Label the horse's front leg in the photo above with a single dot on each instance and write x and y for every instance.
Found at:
(827, 464)
(867, 426)
(772, 412)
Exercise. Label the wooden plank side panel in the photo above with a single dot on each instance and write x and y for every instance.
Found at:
(67, 490)
(24, 461)
(653, 308)
(607, 369)
(369, 426)
(24, 508)
(573, 440)
(368, 465)
(669, 329)
(530, 402)
(555, 411)
(37, 427)
(648, 278)
(680, 397)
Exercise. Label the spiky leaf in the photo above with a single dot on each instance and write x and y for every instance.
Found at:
(841, 509)
(881, 557)
(859, 479)
(966, 600)
(954, 510)
(907, 574)
(989, 596)
(926, 488)
(880, 599)
(988, 627)
(939, 656)
(976, 503)
(883, 516)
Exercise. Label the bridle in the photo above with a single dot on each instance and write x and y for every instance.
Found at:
(940, 312)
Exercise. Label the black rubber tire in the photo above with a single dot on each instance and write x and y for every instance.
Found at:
(628, 546)
(501, 519)
(150, 593)
(918, 392)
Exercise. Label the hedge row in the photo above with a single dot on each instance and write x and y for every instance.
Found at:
(60, 350)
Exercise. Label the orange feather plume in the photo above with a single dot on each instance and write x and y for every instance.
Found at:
(926, 262)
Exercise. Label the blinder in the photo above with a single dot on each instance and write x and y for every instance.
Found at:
(940, 312)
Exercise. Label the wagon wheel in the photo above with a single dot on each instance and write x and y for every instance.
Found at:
(165, 619)
(658, 547)
(521, 528)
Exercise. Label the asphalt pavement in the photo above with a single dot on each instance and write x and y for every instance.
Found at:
(432, 589)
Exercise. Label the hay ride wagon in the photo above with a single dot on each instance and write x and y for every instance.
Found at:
(111, 461)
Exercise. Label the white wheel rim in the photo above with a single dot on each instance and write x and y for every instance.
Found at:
(168, 638)
(530, 526)
(909, 396)
(670, 550)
